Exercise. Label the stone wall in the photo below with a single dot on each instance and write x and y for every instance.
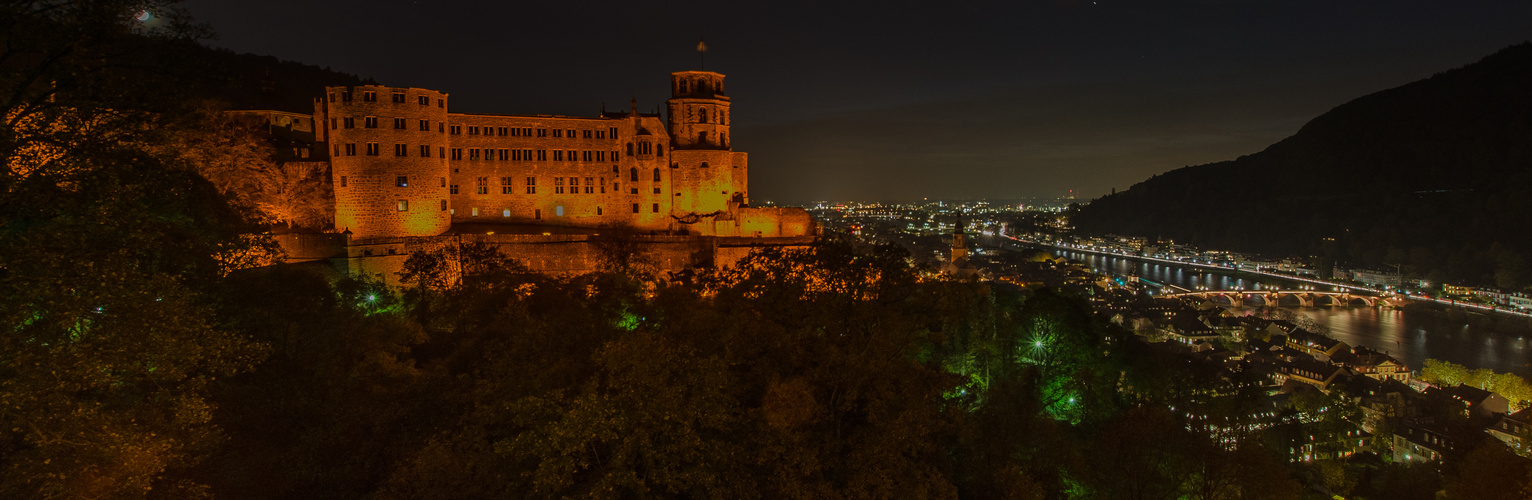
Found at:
(386, 159)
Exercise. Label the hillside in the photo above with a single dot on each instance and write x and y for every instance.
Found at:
(240, 81)
(1433, 175)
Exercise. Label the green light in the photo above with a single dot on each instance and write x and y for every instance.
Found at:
(371, 298)
(1039, 344)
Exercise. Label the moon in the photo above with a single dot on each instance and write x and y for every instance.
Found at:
(143, 16)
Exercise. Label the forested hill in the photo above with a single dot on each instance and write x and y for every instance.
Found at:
(244, 81)
(1435, 175)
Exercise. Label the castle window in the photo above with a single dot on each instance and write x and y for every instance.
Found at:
(601, 156)
(425, 125)
(452, 189)
(542, 155)
(574, 181)
(402, 181)
(702, 137)
(473, 153)
(441, 103)
(473, 130)
(630, 149)
(583, 133)
(571, 155)
(614, 155)
(588, 187)
(401, 150)
(569, 133)
(475, 211)
(558, 155)
(635, 208)
(505, 185)
(526, 132)
(632, 190)
(603, 184)
(703, 165)
(558, 210)
(587, 154)
(425, 151)
(656, 190)
(349, 121)
(558, 132)
(505, 213)
(404, 205)
(600, 134)
(372, 149)
(332, 97)
(656, 208)
(444, 181)
(501, 130)
(537, 213)
(675, 165)
(656, 175)
(345, 96)
(505, 154)
(351, 149)
(483, 185)
(702, 115)
(457, 129)
(369, 96)
(441, 127)
(542, 132)
(423, 100)
(598, 210)
(342, 181)
(444, 204)
(633, 174)
(334, 124)
(371, 122)
(659, 150)
(441, 151)
(611, 133)
(399, 98)
(682, 91)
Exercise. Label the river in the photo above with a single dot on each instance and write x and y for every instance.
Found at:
(1379, 328)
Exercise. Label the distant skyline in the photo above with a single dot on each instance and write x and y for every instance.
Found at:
(904, 100)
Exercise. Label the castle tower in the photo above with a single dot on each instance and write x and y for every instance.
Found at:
(707, 173)
(959, 243)
(388, 160)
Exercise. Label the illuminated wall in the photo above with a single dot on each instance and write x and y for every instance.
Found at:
(385, 156)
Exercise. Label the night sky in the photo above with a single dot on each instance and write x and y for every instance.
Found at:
(900, 100)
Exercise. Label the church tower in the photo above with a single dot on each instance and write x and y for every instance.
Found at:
(959, 243)
(709, 176)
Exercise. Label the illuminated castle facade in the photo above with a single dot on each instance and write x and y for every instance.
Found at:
(402, 164)
(408, 174)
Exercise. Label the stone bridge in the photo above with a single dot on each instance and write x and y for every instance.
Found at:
(1304, 298)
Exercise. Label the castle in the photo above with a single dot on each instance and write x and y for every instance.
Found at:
(408, 175)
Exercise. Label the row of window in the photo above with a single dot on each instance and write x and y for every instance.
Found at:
(609, 133)
(425, 126)
(537, 213)
(404, 206)
(558, 183)
(398, 98)
(489, 154)
(372, 122)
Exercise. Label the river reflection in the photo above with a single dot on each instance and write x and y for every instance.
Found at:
(1382, 329)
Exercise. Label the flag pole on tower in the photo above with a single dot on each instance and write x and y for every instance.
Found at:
(702, 52)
